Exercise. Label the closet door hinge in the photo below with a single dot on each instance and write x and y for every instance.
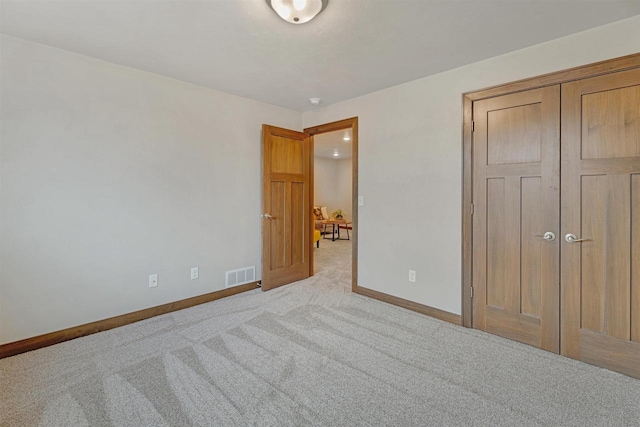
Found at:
(472, 292)
(473, 210)
(473, 126)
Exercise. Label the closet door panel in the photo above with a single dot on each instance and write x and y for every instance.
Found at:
(532, 246)
(600, 207)
(514, 135)
(605, 285)
(611, 115)
(516, 199)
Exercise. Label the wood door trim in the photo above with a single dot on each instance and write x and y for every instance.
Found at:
(559, 77)
(312, 216)
(467, 217)
(576, 73)
(410, 305)
(351, 123)
(333, 126)
(46, 340)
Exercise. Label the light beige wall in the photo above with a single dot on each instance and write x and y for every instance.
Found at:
(410, 161)
(324, 182)
(343, 186)
(109, 174)
(332, 184)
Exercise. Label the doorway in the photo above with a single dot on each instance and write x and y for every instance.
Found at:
(334, 187)
(332, 197)
(288, 218)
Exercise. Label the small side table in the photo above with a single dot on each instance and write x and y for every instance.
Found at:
(333, 223)
(346, 226)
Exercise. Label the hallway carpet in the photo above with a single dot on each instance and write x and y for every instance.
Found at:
(307, 354)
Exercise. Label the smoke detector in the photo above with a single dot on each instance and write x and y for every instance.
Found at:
(315, 101)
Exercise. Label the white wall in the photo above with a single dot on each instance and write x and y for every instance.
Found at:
(410, 162)
(109, 174)
(344, 186)
(324, 181)
(332, 184)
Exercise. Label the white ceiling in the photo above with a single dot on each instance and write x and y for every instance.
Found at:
(352, 48)
(326, 144)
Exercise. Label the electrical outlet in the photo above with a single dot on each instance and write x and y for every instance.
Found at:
(153, 280)
(412, 276)
(194, 273)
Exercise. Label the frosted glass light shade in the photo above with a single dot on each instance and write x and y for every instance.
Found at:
(297, 11)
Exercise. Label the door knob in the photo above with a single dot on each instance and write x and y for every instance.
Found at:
(267, 216)
(549, 236)
(572, 238)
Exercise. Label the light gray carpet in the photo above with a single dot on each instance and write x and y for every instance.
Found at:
(310, 353)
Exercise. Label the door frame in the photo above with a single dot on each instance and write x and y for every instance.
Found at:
(586, 71)
(351, 123)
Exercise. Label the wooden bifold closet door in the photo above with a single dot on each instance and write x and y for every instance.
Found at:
(601, 207)
(568, 152)
(517, 201)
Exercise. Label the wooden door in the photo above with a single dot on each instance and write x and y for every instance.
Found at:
(285, 201)
(601, 205)
(516, 201)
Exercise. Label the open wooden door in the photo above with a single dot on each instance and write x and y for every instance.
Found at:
(516, 220)
(601, 221)
(285, 204)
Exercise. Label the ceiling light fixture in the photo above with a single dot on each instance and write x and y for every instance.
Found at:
(297, 11)
(315, 101)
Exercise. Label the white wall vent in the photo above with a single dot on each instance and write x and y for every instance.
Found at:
(240, 276)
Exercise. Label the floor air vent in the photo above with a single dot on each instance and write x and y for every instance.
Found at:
(240, 276)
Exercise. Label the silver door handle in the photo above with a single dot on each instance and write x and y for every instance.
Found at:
(572, 238)
(266, 216)
(549, 236)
